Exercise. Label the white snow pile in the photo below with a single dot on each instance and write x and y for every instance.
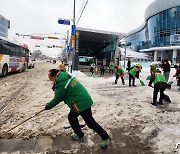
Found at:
(133, 54)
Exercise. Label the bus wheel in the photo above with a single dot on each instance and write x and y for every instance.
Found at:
(4, 70)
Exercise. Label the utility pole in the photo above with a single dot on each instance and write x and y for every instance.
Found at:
(125, 55)
(75, 60)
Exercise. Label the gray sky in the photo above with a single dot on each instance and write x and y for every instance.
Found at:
(40, 17)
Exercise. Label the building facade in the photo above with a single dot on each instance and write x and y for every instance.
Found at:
(159, 35)
(4, 26)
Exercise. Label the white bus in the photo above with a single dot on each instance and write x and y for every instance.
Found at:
(13, 56)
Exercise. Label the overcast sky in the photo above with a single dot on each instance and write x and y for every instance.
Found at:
(40, 17)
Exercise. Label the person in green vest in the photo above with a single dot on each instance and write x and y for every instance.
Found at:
(119, 72)
(153, 68)
(74, 94)
(111, 67)
(134, 73)
(160, 85)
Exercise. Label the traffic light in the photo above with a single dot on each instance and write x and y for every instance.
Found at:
(37, 37)
(52, 37)
(58, 46)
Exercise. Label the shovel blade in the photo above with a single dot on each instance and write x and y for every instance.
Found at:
(142, 83)
(166, 98)
(148, 77)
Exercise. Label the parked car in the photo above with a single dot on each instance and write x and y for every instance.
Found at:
(31, 63)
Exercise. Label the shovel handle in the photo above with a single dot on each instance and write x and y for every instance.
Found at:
(21, 123)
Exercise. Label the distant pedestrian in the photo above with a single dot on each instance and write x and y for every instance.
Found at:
(128, 65)
(177, 75)
(166, 69)
(111, 67)
(153, 68)
(134, 73)
(160, 84)
(61, 67)
(92, 69)
(119, 72)
(75, 95)
(102, 70)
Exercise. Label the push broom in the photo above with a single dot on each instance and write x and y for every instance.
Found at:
(21, 123)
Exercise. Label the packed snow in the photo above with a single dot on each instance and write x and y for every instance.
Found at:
(114, 106)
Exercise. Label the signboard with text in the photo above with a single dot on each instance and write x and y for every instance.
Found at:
(64, 21)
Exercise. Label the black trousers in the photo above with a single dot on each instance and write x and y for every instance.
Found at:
(102, 72)
(89, 120)
(133, 79)
(159, 87)
(122, 79)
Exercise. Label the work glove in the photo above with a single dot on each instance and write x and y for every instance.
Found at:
(46, 107)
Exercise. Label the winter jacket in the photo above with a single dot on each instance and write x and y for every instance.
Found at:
(156, 78)
(119, 71)
(166, 67)
(72, 92)
(134, 72)
(177, 74)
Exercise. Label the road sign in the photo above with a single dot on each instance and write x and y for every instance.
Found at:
(64, 21)
(69, 49)
(73, 30)
(72, 37)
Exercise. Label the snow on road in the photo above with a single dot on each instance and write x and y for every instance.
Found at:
(114, 106)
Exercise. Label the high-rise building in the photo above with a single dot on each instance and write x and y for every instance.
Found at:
(4, 26)
(160, 32)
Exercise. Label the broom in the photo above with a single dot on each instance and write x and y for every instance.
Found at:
(21, 123)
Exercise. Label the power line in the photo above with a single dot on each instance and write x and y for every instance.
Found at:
(78, 14)
(82, 12)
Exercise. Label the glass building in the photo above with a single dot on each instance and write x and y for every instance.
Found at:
(159, 35)
(4, 26)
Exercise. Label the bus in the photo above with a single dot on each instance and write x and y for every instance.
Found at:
(13, 56)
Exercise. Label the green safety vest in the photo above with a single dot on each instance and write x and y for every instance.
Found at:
(159, 78)
(133, 72)
(119, 71)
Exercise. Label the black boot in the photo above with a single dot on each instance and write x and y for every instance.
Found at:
(160, 102)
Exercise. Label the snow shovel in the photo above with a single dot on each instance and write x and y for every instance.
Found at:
(21, 123)
(168, 86)
(142, 82)
(170, 82)
(148, 77)
(166, 98)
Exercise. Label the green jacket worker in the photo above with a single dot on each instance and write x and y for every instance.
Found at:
(119, 73)
(160, 84)
(74, 94)
(134, 73)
